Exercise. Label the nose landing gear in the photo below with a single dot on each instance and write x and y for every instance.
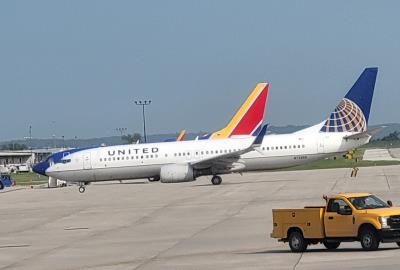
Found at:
(216, 180)
(82, 187)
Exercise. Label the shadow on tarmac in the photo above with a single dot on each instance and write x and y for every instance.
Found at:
(320, 250)
(246, 182)
(123, 183)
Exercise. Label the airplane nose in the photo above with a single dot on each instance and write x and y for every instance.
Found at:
(40, 168)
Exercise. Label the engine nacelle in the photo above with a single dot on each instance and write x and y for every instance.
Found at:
(176, 173)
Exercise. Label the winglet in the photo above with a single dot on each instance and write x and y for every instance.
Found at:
(260, 137)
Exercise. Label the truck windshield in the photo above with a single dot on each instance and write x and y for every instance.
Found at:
(368, 202)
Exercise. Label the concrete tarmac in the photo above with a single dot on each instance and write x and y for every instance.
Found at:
(141, 225)
(381, 154)
(395, 152)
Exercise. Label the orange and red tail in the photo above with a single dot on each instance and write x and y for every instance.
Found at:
(249, 118)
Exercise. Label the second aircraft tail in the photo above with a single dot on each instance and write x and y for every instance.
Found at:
(249, 118)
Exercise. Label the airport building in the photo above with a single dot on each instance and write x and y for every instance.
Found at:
(22, 160)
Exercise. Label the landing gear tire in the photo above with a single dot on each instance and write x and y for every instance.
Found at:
(154, 179)
(82, 189)
(331, 245)
(297, 243)
(369, 239)
(1, 186)
(398, 243)
(216, 180)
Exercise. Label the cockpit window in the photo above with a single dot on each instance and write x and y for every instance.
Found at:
(64, 161)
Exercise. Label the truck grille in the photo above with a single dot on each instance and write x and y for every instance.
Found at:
(394, 222)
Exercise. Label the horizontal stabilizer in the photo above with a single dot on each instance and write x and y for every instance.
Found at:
(365, 134)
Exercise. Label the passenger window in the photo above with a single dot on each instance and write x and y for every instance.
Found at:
(285, 147)
(101, 160)
(114, 158)
(304, 146)
(109, 159)
(267, 148)
(281, 147)
(298, 146)
(335, 204)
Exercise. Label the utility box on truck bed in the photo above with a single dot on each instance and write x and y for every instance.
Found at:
(308, 218)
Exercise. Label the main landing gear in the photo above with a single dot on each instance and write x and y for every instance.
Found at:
(216, 180)
(154, 179)
(82, 189)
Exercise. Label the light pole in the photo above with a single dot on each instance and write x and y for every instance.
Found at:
(29, 140)
(143, 103)
(53, 123)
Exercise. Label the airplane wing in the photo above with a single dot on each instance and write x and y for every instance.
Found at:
(230, 160)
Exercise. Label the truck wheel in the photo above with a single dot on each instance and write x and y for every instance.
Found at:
(369, 239)
(297, 242)
(331, 245)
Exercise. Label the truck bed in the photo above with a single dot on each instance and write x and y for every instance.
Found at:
(308, 219)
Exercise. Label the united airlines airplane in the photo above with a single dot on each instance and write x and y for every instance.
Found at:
(240, 147)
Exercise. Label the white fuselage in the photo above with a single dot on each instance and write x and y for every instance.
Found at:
(145, 160)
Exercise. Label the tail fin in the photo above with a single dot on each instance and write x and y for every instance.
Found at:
(249, 117)
(352, 113)
(181, 135)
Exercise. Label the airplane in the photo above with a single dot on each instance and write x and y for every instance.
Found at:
(175, 162)
(246, 122)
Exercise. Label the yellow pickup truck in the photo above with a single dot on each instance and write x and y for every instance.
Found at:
(346, 217)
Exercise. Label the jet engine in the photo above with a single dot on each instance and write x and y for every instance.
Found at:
(176, 173)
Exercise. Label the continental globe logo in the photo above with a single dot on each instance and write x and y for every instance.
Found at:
(347, 117)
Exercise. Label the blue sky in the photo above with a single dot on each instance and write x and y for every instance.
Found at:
(73, 68)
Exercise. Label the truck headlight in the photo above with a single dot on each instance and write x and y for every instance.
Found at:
(384, 222)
